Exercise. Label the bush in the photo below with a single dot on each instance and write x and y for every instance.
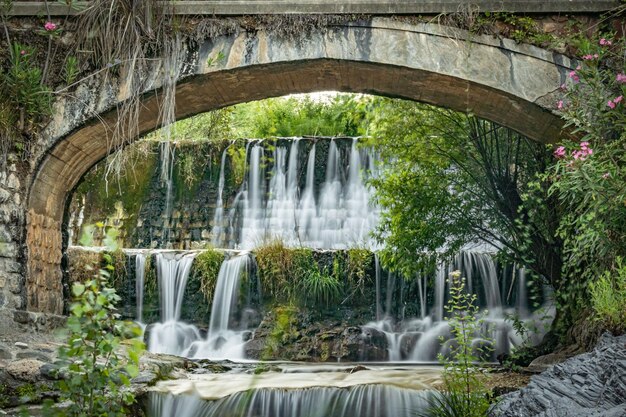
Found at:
(95, 376)
(608, 298)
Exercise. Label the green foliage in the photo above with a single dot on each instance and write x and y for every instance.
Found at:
(588, 178)
(274, 265)
(207, 264)
(293, 275)
(237, 155)
(71, 69)
(340, 115)
(318, 285)
(95, 376)
(465, 392)
(22, 90)
(449, 179)
(213, 126)
(359, 262)
(608, 298)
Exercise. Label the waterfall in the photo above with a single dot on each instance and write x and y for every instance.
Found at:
(308, 210)
(361, 400)
(218, 217)
(168, 154)
(253, 228)
(272, 206)
(223, 341)
(140, 273)
(171, 335)
(420, 339)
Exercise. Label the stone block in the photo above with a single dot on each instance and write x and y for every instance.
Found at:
(21, 316)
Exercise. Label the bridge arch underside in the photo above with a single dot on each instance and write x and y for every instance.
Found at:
(73, 155)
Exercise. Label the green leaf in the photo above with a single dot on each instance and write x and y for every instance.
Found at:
(78, 289)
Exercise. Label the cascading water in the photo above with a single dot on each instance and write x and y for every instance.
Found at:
(333, 215)
(140, 274)
(361, 400)
(420, 339)
(222, 341)
(171, 335)
(218, 217)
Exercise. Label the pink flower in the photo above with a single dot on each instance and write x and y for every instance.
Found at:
(574, 76)
(23, 52)
(559, 152)
(584, 145)
(620, 78)
(559, 105)
(610, 104)
(605, 42)
(564, 87)
(588, 57)
(618, 99)
(606, 175)
(49, 26)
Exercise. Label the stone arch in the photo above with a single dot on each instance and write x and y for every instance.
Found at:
(512, 84)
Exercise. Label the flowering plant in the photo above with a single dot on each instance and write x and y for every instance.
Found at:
(588, 176)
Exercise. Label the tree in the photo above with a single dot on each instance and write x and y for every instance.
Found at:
(450, 179)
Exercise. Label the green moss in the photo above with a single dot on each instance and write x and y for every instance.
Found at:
(359, 262)
(284, 331)
(119, 198)
(151, 292)
(26, 392)
(237, 155)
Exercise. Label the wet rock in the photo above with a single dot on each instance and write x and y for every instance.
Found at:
(50, 371)
(32, 354)
(25, 369)
(408, 342)
(5, 352)
(145, 377)
(589, 385)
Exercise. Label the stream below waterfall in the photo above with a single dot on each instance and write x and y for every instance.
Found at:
(298, 390)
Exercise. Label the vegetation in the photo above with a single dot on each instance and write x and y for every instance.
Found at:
(207, 265)
(95, 374)
(293, 275)
(359, 261)
(449, 179)
(608, 298)
(465, 394)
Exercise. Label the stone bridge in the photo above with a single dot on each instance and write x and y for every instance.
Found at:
(513, 84)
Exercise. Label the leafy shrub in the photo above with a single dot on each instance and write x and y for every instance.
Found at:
(95, 376)
(608, 298)
(21, 85)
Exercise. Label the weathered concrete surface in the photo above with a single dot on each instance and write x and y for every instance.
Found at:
(588, 385)
(246, 7)
(512, 84)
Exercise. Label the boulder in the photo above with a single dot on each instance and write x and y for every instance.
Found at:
(589, 385)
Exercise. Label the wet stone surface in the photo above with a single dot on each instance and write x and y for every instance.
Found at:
(588, 385)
